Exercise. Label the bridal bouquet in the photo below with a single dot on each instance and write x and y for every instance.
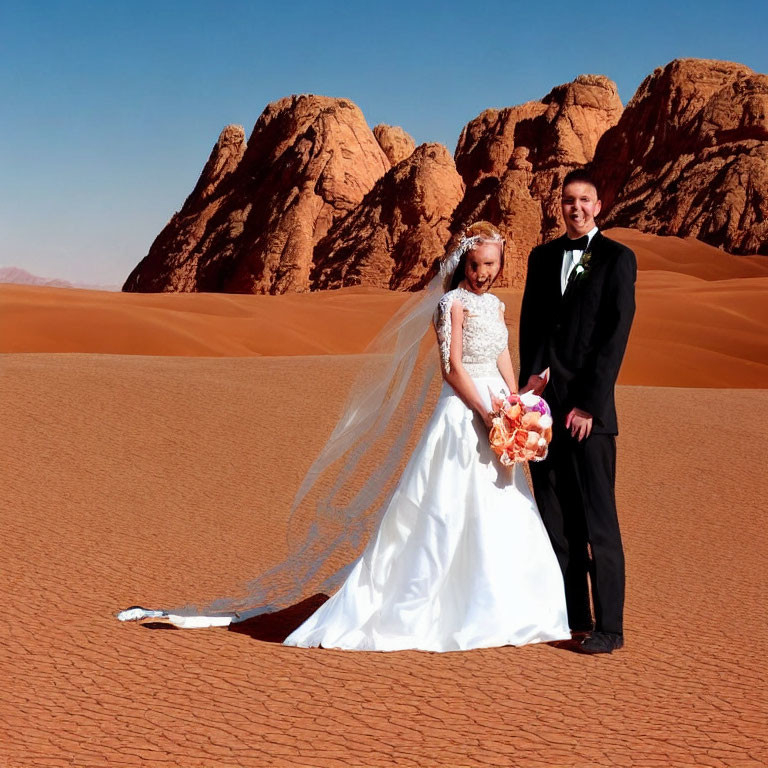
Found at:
(522, 429)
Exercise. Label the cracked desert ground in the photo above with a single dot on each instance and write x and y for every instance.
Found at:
(146, 459)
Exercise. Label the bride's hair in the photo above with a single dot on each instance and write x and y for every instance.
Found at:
(475, 234)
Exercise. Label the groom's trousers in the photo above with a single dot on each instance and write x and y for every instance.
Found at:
(574, 490)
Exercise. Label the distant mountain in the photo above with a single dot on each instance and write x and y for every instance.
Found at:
(22, 277)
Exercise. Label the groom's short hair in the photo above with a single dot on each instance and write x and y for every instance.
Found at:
(580, 175)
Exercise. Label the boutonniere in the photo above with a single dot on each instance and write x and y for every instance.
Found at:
(581, 270)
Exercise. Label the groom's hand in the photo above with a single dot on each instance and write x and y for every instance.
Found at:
(535, 384)
(579, 422)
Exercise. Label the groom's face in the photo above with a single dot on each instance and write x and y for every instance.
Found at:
(580, 206)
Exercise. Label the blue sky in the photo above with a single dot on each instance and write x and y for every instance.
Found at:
(110, 108)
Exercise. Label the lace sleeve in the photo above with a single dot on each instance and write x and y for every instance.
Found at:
(442, 321)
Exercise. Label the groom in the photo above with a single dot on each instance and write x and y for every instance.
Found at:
(575, 319)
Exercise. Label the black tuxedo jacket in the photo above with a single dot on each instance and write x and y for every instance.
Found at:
(582, 334)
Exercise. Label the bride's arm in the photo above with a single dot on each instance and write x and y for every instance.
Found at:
(457, 375)
(506, 369)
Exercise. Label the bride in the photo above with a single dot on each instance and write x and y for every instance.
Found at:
(460, 558)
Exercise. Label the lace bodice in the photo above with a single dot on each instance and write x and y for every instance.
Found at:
(484, 335)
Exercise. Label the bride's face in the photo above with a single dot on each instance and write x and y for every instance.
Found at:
(482, 266)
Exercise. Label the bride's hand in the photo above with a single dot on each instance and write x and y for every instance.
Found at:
(487, 417)
(496, 402)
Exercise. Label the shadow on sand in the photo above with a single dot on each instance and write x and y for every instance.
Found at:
(268, 627)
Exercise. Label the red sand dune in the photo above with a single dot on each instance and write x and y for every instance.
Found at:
(42, 319)
(688, 256)
(700, 319)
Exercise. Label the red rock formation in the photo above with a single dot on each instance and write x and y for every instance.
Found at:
(171, 264)
(513, 161)
(399, 230)
(689, 156)
(297, 208)
(257, 213)
(396, 143)
(224, 159)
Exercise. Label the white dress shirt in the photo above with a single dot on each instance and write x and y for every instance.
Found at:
(571, 259)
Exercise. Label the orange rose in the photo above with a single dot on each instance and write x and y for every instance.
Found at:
(512, 411)
(531, 420)
(498, 436)
(521, 437)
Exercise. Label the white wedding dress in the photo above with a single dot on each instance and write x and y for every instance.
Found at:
(461, 558)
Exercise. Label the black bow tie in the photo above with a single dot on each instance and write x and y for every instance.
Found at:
(577, 245)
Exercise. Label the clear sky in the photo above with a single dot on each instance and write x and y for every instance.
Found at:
(110, 107)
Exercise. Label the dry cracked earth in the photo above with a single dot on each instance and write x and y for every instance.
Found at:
(130, 479)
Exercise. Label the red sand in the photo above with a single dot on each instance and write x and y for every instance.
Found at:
(144, 477)
(161, 480)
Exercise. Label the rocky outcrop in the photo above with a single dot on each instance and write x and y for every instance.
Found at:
(171, 264)
(257, 212)
(513, 161)
(310, 202)
(689, 156)
(396, 143)
(223, 161)
(395, 236)
(508, 203)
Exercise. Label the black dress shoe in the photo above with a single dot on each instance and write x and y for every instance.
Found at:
(601, 642)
